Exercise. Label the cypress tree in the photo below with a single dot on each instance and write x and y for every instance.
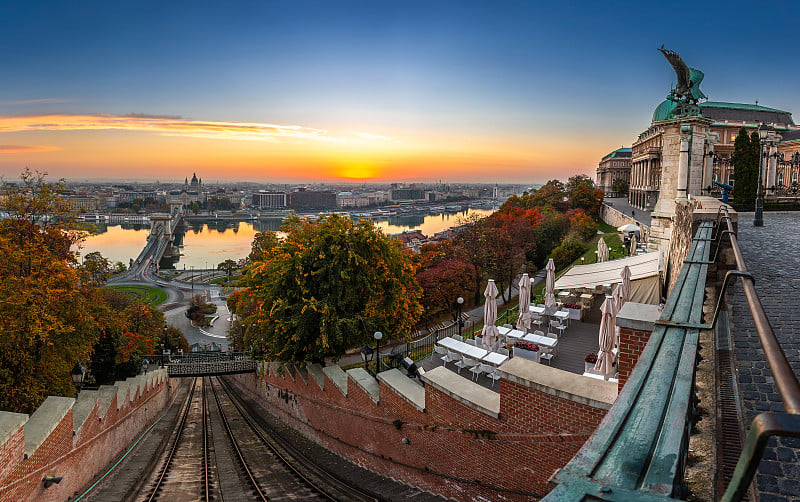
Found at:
(744, 191)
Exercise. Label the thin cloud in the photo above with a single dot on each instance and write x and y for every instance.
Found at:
(163, 125)
(41, 101)
(27, 148)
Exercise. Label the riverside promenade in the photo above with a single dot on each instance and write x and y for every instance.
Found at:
(772, 255)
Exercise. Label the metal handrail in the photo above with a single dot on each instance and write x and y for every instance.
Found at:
(764, 425)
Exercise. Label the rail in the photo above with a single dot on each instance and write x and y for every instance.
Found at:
(639, 450)
(767, 424)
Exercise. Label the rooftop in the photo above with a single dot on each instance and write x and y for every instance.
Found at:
(718, 110)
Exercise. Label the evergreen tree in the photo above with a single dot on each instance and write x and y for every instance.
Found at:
(744, 187)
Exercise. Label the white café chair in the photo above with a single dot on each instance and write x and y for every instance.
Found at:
(452, 357)
(471, 341)
(539, 332)
(558, 326)
(458, 337)
(548, 353)
(537, 320)
(479, 341)
(442, 352)
(503, 351)
(491, 372)
(465, 362)
(476, 370)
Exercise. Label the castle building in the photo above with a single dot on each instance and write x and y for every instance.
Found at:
(724, 120)
(614, 166)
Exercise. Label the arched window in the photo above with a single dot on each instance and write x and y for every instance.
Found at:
(794, 177)
(780, 179)
(796, 156)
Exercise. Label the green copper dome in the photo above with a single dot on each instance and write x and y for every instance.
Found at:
(662, 110)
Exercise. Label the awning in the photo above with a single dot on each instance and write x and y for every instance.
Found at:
(644, 267)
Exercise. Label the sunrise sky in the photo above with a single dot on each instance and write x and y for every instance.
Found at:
(294, 90)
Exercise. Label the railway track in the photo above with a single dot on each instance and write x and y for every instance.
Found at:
(220, 452)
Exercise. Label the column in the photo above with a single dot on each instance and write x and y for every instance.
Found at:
(683, 163)
(772, 168)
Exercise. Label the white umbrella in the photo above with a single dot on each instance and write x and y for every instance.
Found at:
(550, 285)
(489, 331)
(625, 285)
(618, 302)
(524, 320)
(630, 227)
(602, 248)
(605, 358)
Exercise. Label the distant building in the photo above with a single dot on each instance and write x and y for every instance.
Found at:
(616, 165)
(309, 199)
(402, 194)
(349, 199)
(411, 240)
(269, 200)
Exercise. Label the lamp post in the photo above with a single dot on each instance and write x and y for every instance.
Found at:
(366, 355)
(758, 221)
(459, 303)
(378, 335)
(78, 371)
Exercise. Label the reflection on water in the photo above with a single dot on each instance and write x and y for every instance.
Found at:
(205, 244)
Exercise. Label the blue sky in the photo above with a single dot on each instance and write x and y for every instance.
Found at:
(501, 85)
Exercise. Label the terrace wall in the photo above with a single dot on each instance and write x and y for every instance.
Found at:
(76, 439)
(454, 437)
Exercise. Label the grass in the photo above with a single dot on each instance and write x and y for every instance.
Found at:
(149, 294)
(606, 228)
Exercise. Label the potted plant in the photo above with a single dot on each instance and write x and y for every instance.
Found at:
(574, 310)
(526, 350)
(589, 361)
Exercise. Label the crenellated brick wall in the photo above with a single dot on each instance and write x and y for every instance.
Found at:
(76, 439)
(461, 440)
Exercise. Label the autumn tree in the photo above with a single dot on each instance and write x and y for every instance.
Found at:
(97, 267)
(443, 283)
(326, 288)
(46, 324)
(587, 198)
(199, 309)
(263, 243)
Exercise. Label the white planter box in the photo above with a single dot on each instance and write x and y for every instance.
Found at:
(574, 314)
(527, 354)
(589, 367)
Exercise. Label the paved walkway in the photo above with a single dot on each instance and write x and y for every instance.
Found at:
(772, 255)
(621, 205)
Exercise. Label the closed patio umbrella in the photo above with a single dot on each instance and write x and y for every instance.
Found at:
(550, 285)
(524, 320)
(625, 285)
(489, 331)
(602, 250)
(633, 246)
(605, 357)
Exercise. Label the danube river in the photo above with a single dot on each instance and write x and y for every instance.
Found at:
(206, 244)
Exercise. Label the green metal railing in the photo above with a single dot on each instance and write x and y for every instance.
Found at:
(639, 450)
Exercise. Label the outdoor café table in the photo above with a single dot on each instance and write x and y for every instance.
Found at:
(565, 294)
(495, 358)
(515, 334)
(463, 348)
(562, 315)
(541, 340)
(537, 310)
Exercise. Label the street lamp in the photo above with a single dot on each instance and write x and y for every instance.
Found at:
(459, 303)
(78, 371)
(367, 354)
(378, 335)
(758, 221)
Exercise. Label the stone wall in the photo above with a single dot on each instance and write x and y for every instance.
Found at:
(452, 437)
(76, 439)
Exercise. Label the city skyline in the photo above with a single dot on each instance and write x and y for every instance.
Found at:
(507, 92)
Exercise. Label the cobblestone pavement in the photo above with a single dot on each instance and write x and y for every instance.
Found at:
(772, 255)
(621, 205)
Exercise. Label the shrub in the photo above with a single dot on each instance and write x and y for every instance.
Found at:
(568, 252)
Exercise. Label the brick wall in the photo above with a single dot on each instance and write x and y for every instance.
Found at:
(450, 448)
(631, 345)
(78, 456)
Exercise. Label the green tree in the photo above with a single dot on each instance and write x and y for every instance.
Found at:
(746, 168)
(620, 186)
(326, 288)
(46, 321)
(97, 267)
(263, 243)
(228, 266)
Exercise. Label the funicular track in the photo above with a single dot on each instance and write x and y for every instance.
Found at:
(218, 451)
